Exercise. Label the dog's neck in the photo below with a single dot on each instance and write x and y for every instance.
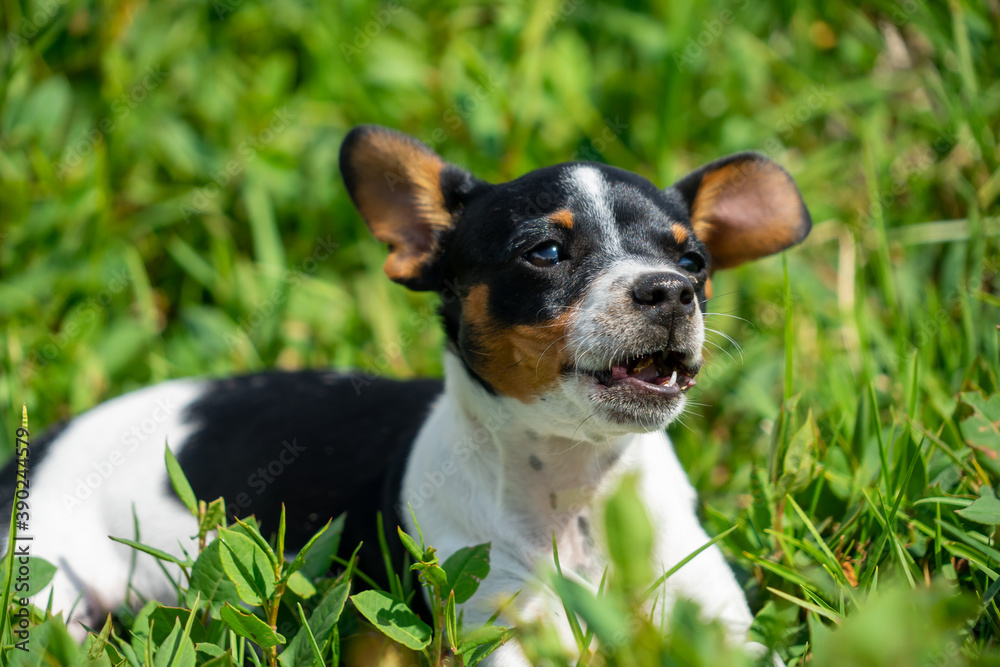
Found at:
(493, 469)
(539, 462)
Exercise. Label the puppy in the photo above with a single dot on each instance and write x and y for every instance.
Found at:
(573, 299)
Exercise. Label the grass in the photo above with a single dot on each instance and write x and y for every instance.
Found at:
(170, 206)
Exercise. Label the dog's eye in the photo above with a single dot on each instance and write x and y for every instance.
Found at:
(546, 254)
(692, 262)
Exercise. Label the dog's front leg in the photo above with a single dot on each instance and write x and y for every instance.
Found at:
(525, 600)
(707, 579)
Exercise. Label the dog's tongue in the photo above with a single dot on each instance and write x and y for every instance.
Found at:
(651, 370)
(646, 373)
(644, 370)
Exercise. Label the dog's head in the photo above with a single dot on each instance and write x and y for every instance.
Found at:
(578, 288)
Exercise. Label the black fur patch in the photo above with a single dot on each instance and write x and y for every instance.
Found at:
(321, 442)
(499, 224)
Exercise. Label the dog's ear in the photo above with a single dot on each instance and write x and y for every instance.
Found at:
(409, 197)
(744, 207)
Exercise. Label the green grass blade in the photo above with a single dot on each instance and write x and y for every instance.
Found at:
(822, 611)
(687, 559)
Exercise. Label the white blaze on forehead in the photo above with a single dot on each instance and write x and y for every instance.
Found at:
(592, 194)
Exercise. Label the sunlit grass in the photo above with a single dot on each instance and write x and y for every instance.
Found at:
(163, 167)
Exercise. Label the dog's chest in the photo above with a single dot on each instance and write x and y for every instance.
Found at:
(554, 490)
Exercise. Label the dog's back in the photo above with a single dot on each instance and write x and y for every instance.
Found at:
(344, 438)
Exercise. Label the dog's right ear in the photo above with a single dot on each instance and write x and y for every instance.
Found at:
(744, 207)
(409, 197)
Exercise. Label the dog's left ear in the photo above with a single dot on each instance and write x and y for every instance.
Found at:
(409, 197)
(744, 207)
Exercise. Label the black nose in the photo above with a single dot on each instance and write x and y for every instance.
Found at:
(664, 294)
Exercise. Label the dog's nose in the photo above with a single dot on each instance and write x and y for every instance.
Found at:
(664, 295)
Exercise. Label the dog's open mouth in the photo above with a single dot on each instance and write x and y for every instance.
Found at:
(664, 372)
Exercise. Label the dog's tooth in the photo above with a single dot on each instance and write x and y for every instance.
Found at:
(673, 379)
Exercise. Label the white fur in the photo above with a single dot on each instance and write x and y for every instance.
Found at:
(489, 468)
(484, 468)
(107, 462)
(589, 185)
(469, 481)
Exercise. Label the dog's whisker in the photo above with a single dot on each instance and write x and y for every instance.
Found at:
(537, 363)
(680, 420)
(712, 342)
(577, 429)
(739, 349)
(723, 334)
(735, 317)
(716, 297)
(511, 367)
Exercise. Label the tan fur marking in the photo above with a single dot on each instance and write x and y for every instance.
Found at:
(563, 218)
(680, 233)
(708, 288)
(746, 210)
(520, 361)
(400, 179)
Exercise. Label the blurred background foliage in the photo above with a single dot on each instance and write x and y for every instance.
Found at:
(170, 205)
